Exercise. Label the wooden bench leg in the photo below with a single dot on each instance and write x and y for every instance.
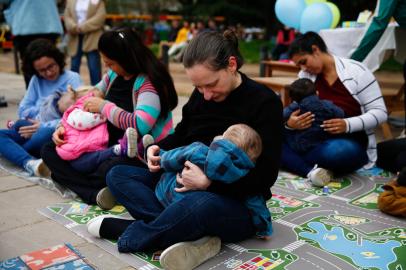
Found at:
(387, 133)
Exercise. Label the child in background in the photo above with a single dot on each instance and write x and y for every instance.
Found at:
(86, 138)
(304, 96)
(393, 199)
(228, 158)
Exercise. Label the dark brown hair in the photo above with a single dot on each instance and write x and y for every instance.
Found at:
(213, 49)
(125, 47)
(300, 89)
(38, 49)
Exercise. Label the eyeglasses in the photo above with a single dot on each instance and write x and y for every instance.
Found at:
(50, 67)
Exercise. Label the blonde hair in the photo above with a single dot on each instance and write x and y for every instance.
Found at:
(245, 138)
(69, 97)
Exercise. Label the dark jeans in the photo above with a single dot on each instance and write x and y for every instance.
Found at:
(392, 155)
(89, 162)
(196, 215)
(19, 150)
(338, 155)
(93, 62)
(21, 43)
(86, 186)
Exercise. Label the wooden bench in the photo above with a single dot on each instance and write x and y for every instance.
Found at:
(270, 66)
(278, 85)
(394, 102)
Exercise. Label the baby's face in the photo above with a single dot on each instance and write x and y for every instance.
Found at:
(66, 100)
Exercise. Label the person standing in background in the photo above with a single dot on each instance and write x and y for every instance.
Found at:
(384, 11)
(30, 20)
(284, 38)
(84, 22)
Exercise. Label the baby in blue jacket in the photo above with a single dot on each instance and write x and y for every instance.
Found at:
(304, 96)
(228, 158)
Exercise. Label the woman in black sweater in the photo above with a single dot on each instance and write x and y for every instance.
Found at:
(223, 96)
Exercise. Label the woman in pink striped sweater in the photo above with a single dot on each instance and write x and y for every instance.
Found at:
(138, 93)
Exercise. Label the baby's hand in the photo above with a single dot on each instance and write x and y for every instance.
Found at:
(97, 93)
(57, 136)
(153, 158)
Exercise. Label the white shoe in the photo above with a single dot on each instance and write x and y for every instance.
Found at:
(319, 176)
(128, 144)
(147, 140)
(188, 255)
(93, 226)
(37, 167)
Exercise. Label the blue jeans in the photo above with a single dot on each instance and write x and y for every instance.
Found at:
(196, 215)
(341, 156)
(89, 162)
(93, 62)
(18, 149)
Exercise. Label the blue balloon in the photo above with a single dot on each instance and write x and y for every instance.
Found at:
(316, 17)
(289, 12)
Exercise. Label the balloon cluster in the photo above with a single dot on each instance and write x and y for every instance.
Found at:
(307, 15)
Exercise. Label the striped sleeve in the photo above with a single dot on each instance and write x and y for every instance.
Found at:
(103, 85)
(372, 104)
(146, 111)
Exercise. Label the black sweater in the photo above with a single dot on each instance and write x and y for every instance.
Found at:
(250, 103)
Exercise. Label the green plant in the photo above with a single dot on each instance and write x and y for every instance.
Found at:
(250, 50)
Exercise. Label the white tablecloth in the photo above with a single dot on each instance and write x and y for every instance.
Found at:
(343, 42)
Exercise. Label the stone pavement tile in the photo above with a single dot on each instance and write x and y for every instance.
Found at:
(19, 206)
(104, 260)
(10, 182)
(4, 173)
(35, 236)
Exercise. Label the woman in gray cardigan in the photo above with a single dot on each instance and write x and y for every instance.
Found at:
(353, 88)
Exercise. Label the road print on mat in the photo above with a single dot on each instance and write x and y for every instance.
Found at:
(341, 229)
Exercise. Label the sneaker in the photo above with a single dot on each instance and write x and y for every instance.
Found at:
(319, 176)
(147, 140)
(37, 167)
(128, 143)
(105, 200)
(93, 226)
(188, 255)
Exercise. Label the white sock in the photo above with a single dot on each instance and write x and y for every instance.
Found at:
(117, 149)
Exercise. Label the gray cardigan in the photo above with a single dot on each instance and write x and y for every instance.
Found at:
(364, 88)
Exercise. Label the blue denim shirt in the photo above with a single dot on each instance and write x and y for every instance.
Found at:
(29, 17)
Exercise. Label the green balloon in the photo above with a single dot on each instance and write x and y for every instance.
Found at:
(309, 2)
(336, 14)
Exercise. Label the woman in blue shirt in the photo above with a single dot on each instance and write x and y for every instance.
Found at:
(21, 144)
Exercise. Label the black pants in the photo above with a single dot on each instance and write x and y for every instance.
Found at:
(392, 154)
(86, 186)
(21, 43)
(278, 50)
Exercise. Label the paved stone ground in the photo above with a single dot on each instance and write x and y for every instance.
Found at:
(22, 228)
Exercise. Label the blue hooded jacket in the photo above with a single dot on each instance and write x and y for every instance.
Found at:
(221, 161)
